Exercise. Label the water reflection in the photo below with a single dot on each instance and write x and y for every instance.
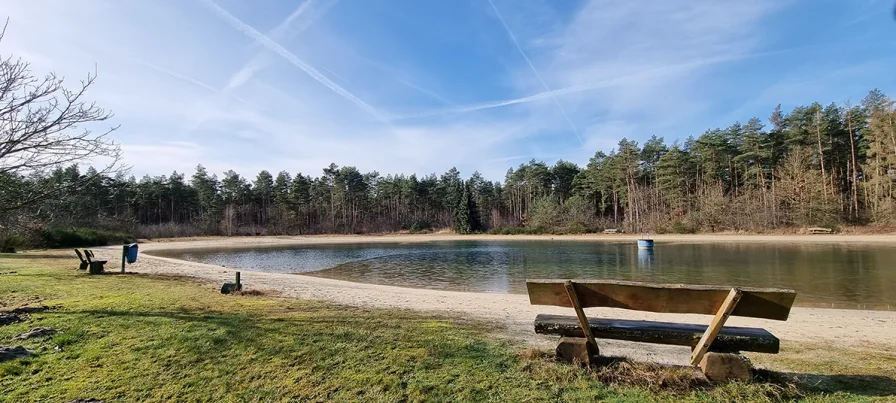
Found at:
(645, 258)
(821, 273)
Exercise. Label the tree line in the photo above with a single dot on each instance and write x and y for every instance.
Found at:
(815, 165)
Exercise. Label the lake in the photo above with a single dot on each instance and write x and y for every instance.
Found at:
(829, 275)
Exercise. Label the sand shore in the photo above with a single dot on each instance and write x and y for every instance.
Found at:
(835, 327)
(274, 241)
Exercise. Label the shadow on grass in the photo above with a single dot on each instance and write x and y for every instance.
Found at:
(149, 276)
(28, 255)
(864, 385)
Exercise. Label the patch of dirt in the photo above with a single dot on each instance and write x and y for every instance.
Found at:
(9, 318)
(36, 332)
(256, 293)
(30, 309)
(19, 314)
(10, 353)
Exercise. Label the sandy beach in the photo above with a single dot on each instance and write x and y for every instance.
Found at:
(512, 313)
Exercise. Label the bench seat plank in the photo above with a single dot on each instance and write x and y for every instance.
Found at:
(730, 339)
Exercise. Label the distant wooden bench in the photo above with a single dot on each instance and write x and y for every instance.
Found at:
(579, 333)
(819, 230)
(611, 231)
(87, 261)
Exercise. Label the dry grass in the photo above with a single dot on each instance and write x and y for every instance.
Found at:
(256, 293)
(622, 372)
(682, 381)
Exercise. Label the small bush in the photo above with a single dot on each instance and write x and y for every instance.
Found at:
(419, 226)
(10, 243)
(81, 237)
(679, 227)
(173, 230)
(577, 228)
(835, 227)
(511, 231)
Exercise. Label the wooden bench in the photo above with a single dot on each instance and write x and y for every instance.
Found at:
(579, 333)
(611, 231)
(819, 230)
(87, 262)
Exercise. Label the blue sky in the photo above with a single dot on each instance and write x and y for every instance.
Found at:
(419, 86)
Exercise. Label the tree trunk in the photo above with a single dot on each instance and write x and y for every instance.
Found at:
(855, 175)
(820, 152)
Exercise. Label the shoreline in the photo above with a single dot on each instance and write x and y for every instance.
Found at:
(300, 240)
(510, 313)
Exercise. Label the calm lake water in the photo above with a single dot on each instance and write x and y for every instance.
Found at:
(832, 275)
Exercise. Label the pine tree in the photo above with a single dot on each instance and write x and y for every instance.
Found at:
(463, 213)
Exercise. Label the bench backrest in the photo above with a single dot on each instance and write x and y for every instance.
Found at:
(80, 257)
(766, 303)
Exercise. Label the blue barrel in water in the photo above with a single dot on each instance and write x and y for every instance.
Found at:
(645, 244)
(132, 253)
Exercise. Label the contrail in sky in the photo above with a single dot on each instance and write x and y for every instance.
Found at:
(531, 98)
(546, 88)
(258, 62)
(279, 29)
(593, 85)
(178, 76)
(247, 30)
(395, 75)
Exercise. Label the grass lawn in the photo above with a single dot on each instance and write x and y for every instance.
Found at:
(136, 338)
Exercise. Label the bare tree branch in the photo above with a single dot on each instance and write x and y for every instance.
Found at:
(45, 125)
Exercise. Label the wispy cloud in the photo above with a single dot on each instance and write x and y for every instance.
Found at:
(515, 157)
(186, 79)
(425, 91)
(239, 25)
(534, 70)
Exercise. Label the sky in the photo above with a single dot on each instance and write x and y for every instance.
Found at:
(420, 86)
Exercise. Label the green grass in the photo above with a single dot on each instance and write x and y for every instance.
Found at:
(144, 338)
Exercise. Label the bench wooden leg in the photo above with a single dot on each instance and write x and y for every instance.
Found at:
(580, 313)
(715, 326)
(96, 267)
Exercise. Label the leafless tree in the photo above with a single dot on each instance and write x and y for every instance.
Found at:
(42, 128)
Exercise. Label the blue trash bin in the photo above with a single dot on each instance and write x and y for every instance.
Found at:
(132, 253)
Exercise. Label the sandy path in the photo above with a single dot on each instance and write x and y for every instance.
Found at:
(842, 328)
